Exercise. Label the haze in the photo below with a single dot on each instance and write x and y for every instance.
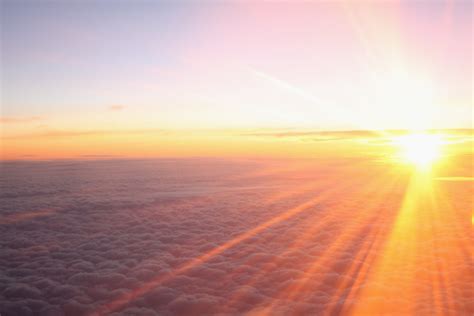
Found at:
(236, 158)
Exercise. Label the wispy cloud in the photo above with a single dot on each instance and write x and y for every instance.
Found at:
(286, 133)
(116, 107)
(455, 178)
(312, 135)
(19, 119)
(23, 216)
(78, 133)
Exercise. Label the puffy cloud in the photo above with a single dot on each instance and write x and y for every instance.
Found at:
(20, 290)
(127, 234)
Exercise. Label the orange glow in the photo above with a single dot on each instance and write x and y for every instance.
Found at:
(236, 158)
(372, 227)
(173, 143)
(423, 214)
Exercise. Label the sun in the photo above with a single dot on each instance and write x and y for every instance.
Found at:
(420, 149)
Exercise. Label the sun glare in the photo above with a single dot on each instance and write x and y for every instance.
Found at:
(421, 150)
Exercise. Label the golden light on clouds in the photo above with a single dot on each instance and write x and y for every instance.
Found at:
(252, 158)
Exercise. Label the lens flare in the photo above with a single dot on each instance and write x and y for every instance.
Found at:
(422, 150)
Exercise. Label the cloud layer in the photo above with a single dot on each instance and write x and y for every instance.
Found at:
(208, 237)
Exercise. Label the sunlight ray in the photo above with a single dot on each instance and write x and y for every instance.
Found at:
(127, 298)
(370, 211)
(416, 229)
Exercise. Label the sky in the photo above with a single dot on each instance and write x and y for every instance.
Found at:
(71, 68)
(315, 157)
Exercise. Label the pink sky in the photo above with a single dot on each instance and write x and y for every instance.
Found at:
(174, 66)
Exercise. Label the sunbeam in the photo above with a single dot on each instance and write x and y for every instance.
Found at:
(220, 158)
(125, 299)
(412, 252)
